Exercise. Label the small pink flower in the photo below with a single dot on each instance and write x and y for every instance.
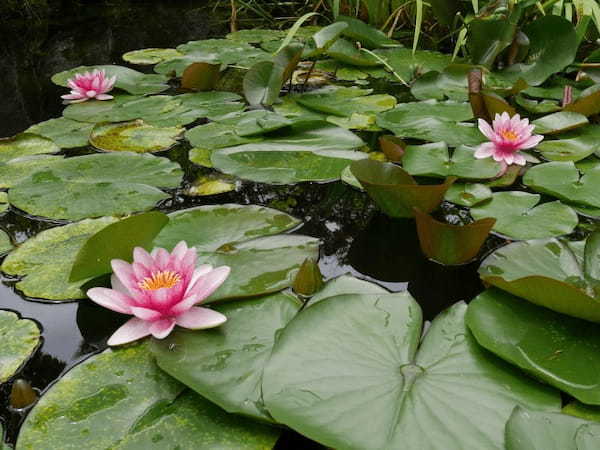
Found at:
(90, 85)
(508, 136)
(161, 290)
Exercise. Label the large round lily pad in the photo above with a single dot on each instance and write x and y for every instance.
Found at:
(129, 80)
(135, 136)
(65, 133)
(434, 160)
(96, 185)
(18, 169)
(562, 351)
(45, 260)
(535, 430)
(518, 217)
(226, 364)
(20, 338)
(350, 373)
(194, 421)
(547, 272)
(102, 400)
(562, 180)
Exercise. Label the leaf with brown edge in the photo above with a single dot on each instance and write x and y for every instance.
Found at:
(201, 76)
(393, 147)
(451, 244)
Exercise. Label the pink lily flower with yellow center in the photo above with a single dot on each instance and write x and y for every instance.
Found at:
(507, 135)
(88, 85)
(161, 290)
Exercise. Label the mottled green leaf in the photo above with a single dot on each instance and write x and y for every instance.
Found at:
(20, 338)
(150, 56)
(468, 194)
(135, 136)
(65, 133)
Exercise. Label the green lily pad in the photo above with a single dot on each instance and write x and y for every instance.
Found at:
(211, 184)
(547, 272)
(578, 409)
(562, 180)
(349, 351)
(559, 122)
(129, 80)
(433, 121)
(572, 146)
(96, 185)
(5, 243)
(225, 365)
(193, 420)
(3, 201)
(256, 36)
(25, 144)
(104, 399)
(45, 260)
(468, 194)
(65, 133)
(20, 338)
(518, 217)
(345, 101)
(211, 227)
(534, 430)
(587, 103)
(395, 191)
(347, 52)
(434, 160)
(561, 351)
(158, 110)
(538, 107)
(410, 65)
(368, 36)
(449, 84)
(553, 47)
(18, 169)
(135, 136)
(345, 284)
(150, 56)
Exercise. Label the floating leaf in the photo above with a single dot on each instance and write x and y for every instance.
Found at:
(345, 101)
(116, 241)
(518, 217)
(18, 169)
(345, 284)
(368, 36)
(96, 185)
(193, 420)
(347, 53)
(212, 184)
(25, 144)
(561, 351)
(20, 338)
(349, 351)
(409, 64)
(5, 243)
(538, 107)
(45, 260)
(225, 365)
(534, 430)
(65, 133)
(200, 76)
(546, 272)
(433, 121)
(132, 81)
(434, 160)
(150, 56)
(135, 136)
(572, 146)
(395, 191)
(451, 244)
(559, 122)
(104, 399)
(468, 194)
(449, 84)
(256, 36)
(562, 180)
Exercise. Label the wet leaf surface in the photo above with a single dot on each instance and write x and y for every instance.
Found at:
(20, 338)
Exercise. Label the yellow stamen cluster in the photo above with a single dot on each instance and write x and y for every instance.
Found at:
(159, 280)
(509, 135)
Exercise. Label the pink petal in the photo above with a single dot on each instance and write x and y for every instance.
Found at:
(485, 150)
(111, 299)
(143, 257)
(73, 97)
(208, 284)
(520, 159)
(509, 159)
(104, 97)
(149, 315)
(532, 141)
(133, 330)
(199, 273)
(200, 319)
(486, 129)
(161, 258)
(179, 251)
(117, 285)
(161, 328)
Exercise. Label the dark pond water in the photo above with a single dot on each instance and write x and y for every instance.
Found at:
(356, 238)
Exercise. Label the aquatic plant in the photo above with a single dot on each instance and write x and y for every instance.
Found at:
(90, 85)
(160, 289)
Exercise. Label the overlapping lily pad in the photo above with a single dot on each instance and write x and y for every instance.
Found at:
(103, 400)
(349, 351)
(572, 146)
(534, 430)
(45, 260)
(129, 80)
(433, 121)
(25, 144)
(468, 194)
(563, 180)
(518, 217)
(65, 133)
(547, 272)
(559, 122)
(20, 338)
(135, 136)
(434, 160)
(16, 170)
(5, 243)
(96, 185)
(239, 236)
(561, 351)
(149, 56)
(411, 65)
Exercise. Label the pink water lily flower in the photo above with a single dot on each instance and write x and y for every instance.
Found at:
(160, 289)
(508, 136)
(88, 85)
